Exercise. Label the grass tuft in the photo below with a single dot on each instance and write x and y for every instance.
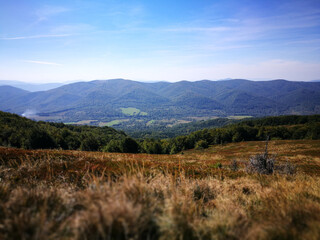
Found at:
(89, 195)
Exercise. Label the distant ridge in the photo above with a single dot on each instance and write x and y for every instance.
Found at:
(105, 100)
(32, 87)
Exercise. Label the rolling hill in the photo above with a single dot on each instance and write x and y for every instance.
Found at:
(20, 132)
(32, 87)
(102, 100)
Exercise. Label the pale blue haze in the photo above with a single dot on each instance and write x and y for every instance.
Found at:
(56, 41)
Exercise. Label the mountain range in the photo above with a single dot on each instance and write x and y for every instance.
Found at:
(32, 87)
(116, 99)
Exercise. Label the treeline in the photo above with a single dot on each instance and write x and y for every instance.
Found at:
(282, 120)
(160, 129)
(24, 133)
(16, 131)
(283, 127)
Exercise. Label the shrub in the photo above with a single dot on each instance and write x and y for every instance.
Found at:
(234, 165)
(201, 144)
(113, 146)
(129, 145)
(261, 163)
(218, 165)
(264, 164)
(203, 192)
(126, 145)
(287, 168)
(89, 143)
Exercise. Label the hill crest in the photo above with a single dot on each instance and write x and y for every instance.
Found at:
(103, 100)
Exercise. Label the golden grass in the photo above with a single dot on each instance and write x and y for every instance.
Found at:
(89, 195)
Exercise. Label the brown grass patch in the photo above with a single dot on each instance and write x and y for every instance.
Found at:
(54, 194)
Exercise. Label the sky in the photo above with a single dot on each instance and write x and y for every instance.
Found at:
(67, 40)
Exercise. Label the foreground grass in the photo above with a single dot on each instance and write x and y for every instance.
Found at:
(87, 195)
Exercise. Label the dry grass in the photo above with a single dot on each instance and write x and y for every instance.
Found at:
(89, 195)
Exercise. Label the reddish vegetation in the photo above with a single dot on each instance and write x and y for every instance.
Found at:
(51, 194)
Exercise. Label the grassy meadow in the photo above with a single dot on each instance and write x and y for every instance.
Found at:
(54, 194)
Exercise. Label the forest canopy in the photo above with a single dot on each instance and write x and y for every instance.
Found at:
(24, 133)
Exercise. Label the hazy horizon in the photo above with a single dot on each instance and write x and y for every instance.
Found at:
(137, 80)
(68, 41)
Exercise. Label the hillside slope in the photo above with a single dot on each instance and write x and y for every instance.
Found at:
(20, 132)
(76, 195)
(104, 100)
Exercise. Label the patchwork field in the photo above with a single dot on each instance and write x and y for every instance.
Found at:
(51, 194)
(112, 123)
(133, 111)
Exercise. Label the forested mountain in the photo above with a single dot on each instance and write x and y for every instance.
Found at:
(16, 131)
(8, 92)
(107, 100)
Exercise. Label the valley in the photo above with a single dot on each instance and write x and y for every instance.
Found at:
(128, 104)
(213, 179)
(160, 120)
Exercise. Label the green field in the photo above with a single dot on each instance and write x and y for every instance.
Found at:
(133, 111)
(150, 122)
(112, 123)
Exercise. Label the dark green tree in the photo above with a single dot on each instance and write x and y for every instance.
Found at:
(129, 145)
(89, 143)
(113, 146)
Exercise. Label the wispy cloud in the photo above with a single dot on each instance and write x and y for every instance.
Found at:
(36, 36)
(126, 10)
(46, 12)
(245, 26)
(284, 23)
(124, 15)
(72, 29)
(42, 62)
(197, 29)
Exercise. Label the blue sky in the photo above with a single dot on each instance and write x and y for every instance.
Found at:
(56, 41)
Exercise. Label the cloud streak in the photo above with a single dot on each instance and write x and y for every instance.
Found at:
(36, 36)
(198, 29)
(49, 11)
(42, 62)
